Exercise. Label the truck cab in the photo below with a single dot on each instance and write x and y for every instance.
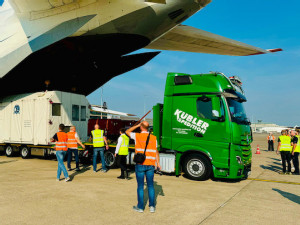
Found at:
(204, 125)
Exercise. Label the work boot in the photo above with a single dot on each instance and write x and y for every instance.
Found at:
(126, 174)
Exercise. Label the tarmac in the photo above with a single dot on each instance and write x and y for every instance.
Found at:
(30, 194)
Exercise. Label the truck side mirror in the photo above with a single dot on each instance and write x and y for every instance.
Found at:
(216, 109)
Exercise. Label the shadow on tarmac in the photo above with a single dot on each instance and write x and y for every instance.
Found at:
(271, 167)
(158, 191)
(3, 162)
(289, 196)
(275, 159)
(83, 170)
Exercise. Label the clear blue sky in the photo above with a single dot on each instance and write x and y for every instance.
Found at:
(271, 81)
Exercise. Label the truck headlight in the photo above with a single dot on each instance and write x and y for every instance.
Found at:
(239, 159)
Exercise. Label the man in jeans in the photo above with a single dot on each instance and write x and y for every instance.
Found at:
(98, 143)
(73, 141)
(61, 148)
(147, 167)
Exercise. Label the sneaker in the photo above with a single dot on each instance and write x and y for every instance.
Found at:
(77, 169)
(57, 179)
(69, 169)
(121, 177)
(103, 171)
(288, 173)
(67, 179)
(95, 171)
(135, 208)
(282, 173)
(152, 209)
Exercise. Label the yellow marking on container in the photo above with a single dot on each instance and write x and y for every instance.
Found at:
(274, 181)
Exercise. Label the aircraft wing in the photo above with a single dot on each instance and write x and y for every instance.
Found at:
(190, 39)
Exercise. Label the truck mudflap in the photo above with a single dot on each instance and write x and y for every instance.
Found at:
(247, 171)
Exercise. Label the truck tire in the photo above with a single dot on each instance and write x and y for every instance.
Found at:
(197, 167)
(25, 152)
(9, 152)
(110, 159)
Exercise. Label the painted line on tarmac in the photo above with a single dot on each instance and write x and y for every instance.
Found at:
(274, 181)
(227, 201)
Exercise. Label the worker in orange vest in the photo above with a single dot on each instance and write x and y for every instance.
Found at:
(61, 139)
(73, 141)
(271, 140)
(147, 167)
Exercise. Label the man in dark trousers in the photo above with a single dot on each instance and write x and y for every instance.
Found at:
(271, 140)
(284, 146)
(295, 151)
(122, 152)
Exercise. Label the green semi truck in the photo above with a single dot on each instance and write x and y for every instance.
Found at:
(202, 128)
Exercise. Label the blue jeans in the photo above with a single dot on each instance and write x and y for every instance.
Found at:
(140, 172)
(60, 155)
(75, 151)
(95, 155)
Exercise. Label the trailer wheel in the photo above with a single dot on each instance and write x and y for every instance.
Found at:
(110, 159)
(9, 152)
(25, 152)
(197, 167)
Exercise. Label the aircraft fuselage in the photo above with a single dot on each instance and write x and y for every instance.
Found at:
(68, 38)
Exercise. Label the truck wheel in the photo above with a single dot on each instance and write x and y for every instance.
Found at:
(197, 167)
(110, 159)
(9, 151)
(25, 152)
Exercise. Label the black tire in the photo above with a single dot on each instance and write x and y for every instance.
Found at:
(110, 159)
(197, 167)
(25, 152)
(9, 151)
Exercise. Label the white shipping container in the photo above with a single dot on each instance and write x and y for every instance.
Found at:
(34, 118)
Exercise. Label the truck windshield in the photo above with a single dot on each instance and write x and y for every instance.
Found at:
(237, 111)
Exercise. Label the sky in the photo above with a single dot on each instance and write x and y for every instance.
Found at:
(271, 82)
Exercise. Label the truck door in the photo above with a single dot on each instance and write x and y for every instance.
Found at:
(200, 122)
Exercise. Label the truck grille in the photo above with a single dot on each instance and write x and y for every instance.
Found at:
(246, 149)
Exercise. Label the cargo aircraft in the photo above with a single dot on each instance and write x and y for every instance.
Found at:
(78, 45)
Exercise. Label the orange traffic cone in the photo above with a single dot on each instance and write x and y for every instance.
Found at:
(257, 150)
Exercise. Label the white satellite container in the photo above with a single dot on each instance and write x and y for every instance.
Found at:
(32, 119)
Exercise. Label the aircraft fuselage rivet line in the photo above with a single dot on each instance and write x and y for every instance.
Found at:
(274, 181)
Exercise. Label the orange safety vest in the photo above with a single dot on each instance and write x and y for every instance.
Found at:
(61, 144)
(140, 143)
(273, 138)
(72, 143)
